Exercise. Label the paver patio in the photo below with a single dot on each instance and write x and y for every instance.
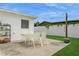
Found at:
(19, 49)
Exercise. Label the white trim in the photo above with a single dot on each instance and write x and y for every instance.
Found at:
(13, 12)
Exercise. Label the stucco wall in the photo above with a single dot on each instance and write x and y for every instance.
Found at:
(40, 29)
(15, 22)
(56, 30)
(73, 30)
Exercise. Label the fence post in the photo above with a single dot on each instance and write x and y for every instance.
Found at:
(66, 39)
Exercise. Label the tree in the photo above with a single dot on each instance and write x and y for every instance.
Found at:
(36, 24)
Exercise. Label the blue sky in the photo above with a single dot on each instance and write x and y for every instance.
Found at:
(52, 12)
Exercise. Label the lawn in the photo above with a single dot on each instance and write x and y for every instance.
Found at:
(71, 50)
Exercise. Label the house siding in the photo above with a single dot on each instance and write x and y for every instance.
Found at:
(15, 22)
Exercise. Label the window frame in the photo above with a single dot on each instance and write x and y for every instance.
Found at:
(24, 25)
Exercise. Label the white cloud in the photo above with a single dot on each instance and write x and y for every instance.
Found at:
(51, 14)
(56, 5)
(47, 16)
(51, 4)
(10, 7)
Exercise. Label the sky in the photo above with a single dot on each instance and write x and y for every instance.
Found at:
(52, 12)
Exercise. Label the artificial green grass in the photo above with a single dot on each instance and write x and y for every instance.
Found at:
(71, 50)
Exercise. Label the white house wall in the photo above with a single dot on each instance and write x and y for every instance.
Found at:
(15, 22)
(29, 31)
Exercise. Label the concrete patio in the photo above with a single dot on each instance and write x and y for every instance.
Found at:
(19, 49)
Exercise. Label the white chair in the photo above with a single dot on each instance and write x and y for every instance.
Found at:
(28, 37)
(43, 37)
(37, 37)
(34, 38)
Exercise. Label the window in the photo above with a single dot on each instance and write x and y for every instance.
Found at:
(24, 23)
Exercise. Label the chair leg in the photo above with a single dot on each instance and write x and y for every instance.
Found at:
(41, 42)
(33, 43)
(46, 42)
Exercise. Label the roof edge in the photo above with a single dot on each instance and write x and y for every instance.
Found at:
(14, 12)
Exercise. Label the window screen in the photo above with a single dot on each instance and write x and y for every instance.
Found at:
(24, 23)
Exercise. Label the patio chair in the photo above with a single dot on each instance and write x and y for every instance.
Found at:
(37, 38)
(28, 38)
(33, 38)
(43, 37)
